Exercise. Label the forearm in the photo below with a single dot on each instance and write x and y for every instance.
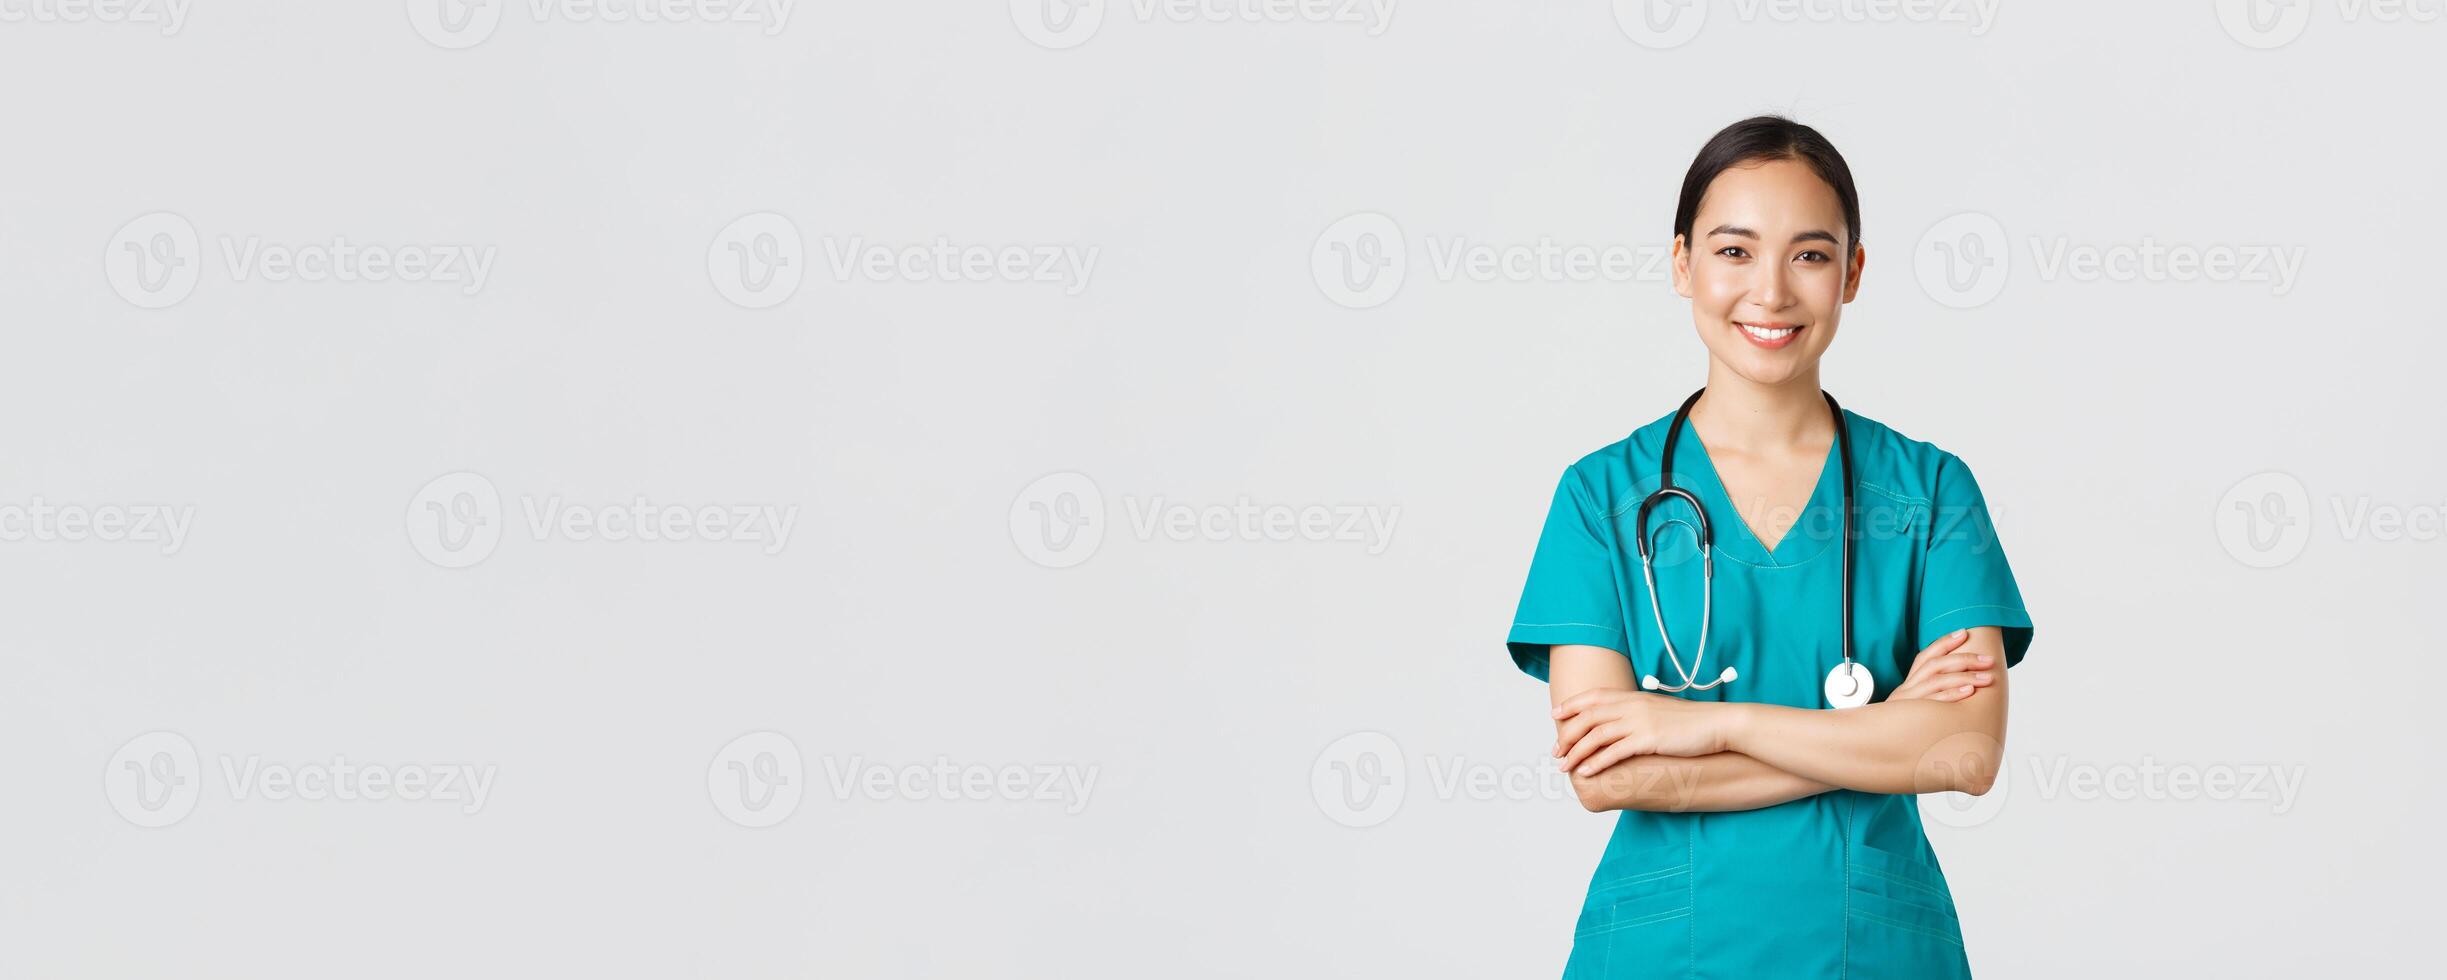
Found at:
(1703, 784)
(1906, 746)
(1893, 747)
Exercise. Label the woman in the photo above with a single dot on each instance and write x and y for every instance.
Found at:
(1763, 832)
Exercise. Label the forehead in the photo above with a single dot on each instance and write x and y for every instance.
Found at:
(1769, 194)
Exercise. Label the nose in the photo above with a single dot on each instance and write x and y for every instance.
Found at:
(1771, 290)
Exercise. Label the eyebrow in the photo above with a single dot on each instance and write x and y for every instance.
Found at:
(1813, 235)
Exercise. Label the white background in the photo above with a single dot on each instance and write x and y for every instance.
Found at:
(1197, 692)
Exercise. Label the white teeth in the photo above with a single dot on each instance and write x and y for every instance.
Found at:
(1766, 334)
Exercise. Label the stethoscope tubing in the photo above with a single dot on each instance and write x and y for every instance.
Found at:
(1666, 490)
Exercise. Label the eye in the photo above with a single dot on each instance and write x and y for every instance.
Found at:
(1733, 252)
(1815, 255)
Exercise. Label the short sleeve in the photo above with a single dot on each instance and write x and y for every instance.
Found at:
(1965, 580)
(1570, 597)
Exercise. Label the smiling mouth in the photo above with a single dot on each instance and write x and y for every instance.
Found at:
(1768, 335)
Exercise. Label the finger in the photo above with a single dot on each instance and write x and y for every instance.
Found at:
(1950, 665)
(1961, 660)
(1937, 687)
(1570, 734)
(1578, 703)
(1588, 745)
(1976, 660)
(1944, 644)
(1928, 688)
(1621, 750)
(1571, 731)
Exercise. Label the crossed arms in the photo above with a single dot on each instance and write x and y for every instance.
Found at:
(1628, 749)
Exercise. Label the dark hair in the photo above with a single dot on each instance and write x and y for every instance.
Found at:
(1759, 139)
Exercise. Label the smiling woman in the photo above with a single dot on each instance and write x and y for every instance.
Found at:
(1763, 833)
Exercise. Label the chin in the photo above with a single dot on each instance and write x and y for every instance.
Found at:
(1766, 369)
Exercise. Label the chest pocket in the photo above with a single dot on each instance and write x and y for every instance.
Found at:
(1893, 530)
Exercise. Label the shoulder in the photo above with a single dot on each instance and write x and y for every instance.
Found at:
(1909, 470)
(1618, 474)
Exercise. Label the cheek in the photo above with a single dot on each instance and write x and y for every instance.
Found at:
(1826, 289)
(1714, 290)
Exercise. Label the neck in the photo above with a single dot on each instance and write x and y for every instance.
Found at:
(1742, 414)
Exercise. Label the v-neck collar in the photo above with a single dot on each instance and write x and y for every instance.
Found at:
(1744, 544)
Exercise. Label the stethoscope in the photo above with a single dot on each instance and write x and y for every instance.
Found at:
(1850, 684)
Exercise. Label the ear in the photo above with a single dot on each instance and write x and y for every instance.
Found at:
(1852, 274)
(1682, 269)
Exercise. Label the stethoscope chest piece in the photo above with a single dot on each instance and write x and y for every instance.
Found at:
(1850, 685)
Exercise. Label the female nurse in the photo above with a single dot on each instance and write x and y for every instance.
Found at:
(1763, 833)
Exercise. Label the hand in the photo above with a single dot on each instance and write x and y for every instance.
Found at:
(1602, 727)
(1943, 672)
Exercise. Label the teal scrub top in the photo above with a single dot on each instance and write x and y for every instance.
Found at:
(1838, 884)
